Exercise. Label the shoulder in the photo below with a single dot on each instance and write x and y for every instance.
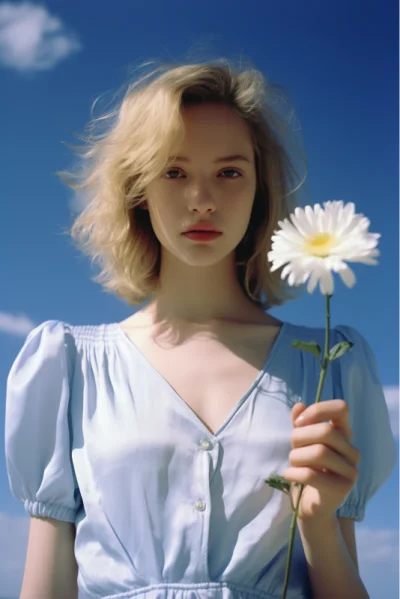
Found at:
(340, 332)
(52, 350)
(57, 339)
(53, 329)
(49, 329)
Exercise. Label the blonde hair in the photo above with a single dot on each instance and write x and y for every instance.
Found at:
(140, 133)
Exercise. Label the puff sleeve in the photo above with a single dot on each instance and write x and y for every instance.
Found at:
(37, 424)
(357, 381)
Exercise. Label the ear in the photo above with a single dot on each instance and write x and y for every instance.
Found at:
(143, 205)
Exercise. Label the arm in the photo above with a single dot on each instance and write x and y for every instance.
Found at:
(331, 568)
(50, 569)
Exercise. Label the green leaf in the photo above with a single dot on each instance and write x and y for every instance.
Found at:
(339, 349)
(278, 482)
(310, 346)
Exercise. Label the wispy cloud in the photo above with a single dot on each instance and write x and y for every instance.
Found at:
(31, 39)
(78, 202)
(19, 325)
(14, 532)
(392, 400)
(377, 544)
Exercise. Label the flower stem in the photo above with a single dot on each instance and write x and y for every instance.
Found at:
(324, 367)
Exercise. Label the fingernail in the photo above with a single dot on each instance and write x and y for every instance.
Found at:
(299, 420)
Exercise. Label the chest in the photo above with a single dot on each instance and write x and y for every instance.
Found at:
(208, 375)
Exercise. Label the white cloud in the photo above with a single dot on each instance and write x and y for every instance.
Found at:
(392, 400)
(16, 325)
(78, 202)
(377, 544)
(31, 39)
(14, 533)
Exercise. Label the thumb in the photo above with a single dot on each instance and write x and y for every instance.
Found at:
(297, 410)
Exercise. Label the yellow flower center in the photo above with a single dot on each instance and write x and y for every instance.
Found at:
(320, 244)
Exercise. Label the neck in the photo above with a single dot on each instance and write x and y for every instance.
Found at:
(201, 294)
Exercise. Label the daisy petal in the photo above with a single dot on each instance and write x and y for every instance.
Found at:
(302, 219)
(300, 222)
(277, 264)
(313, 280)
(286, 270)
(290, 232)
(366, 260)
(310, 216)
(348, 276)
(326, 282)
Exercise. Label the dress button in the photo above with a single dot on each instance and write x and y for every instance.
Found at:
(206, 445)
(200, 505)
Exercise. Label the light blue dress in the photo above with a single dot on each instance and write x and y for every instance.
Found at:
(164, 509)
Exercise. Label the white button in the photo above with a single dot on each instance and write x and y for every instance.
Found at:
(200, 505)
(206, 445)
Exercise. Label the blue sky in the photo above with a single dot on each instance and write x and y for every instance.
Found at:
(339, 63)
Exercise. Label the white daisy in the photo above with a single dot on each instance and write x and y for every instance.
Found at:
(318, 241)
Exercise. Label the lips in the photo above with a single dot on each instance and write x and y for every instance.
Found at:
(202, 235)
(203, 227)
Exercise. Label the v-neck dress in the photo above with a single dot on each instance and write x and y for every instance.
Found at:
(163, 509)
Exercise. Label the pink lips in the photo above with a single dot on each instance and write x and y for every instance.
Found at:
(202, 231)
(203, 225)
(202, 235)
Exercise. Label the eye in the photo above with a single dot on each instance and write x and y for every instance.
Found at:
(232, 170)
(173, 170)
(174, 173)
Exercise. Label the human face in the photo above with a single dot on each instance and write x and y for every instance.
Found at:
(205, 188)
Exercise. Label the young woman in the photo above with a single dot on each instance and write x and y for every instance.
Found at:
(141, 448)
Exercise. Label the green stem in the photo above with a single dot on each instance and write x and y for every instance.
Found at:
(319, 392)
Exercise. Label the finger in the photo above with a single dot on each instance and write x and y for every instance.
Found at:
(325, 433)
(308, 476)
(297, 410)
(320, 456)
(335, 410)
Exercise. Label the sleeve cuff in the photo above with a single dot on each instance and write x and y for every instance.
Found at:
(50, 510)
(351, 510)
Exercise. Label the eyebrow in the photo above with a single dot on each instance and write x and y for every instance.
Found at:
(233, 157)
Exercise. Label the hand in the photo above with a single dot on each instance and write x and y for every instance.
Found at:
(322, 459)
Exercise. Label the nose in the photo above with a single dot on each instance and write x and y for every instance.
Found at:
(200, 198)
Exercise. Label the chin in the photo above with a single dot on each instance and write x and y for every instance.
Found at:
(198, 254)
(204, 258)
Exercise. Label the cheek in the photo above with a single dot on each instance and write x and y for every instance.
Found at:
(243, 191)
(241, 205)
(164, 220)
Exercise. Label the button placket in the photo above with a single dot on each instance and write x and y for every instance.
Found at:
(205, 462)
(201, 502)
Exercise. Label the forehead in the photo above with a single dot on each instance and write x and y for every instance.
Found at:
(214, 122)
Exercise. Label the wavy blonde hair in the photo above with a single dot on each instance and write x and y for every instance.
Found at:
(118, 163)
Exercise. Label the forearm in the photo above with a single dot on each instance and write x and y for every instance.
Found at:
(331, 568)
